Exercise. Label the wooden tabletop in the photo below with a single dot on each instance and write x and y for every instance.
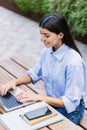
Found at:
(17, 66)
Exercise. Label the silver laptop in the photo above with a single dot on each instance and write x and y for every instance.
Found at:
(9, 101)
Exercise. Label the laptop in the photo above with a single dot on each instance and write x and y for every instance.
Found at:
(9, 101)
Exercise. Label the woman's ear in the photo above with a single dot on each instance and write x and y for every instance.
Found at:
(61, 35)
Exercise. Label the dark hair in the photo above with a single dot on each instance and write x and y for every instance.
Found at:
(56, 23)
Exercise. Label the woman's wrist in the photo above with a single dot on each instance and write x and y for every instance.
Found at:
(15, 82)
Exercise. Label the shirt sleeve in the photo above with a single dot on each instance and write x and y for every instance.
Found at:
(75, 87)
(36, 71)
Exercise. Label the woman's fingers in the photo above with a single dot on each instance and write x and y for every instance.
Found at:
(5, 88)
(2, 90)
(27, 96)
(24, 96)
(20, 97)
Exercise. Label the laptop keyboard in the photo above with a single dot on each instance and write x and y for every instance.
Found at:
(9, 101)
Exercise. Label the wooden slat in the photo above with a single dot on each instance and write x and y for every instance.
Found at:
(12, 67)
(26, 60)
(64, 125)
(83, 123)
(4, 76)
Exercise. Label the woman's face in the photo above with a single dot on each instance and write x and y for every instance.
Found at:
(50, 39)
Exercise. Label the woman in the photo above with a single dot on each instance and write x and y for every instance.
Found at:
(61, 68)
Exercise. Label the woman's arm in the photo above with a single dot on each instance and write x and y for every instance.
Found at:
(26, 96)
(13, 83)
(57, 102)
(23, 80)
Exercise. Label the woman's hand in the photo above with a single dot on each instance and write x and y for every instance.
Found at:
(27, 96)
(12, 84)
(4, 88)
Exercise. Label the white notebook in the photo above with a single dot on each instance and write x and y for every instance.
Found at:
(13, 120)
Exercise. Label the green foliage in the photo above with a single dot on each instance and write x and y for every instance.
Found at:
(47, 7)
(42, 6)
(75, 11)
(76, 14)
(29, 5)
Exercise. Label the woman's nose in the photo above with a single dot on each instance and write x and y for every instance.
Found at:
(43, 38)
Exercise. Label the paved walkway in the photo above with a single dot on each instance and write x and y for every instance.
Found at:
(20, 34)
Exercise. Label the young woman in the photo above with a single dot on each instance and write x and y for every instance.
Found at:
(61, 68)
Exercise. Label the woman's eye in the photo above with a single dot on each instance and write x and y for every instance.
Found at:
(47, 36)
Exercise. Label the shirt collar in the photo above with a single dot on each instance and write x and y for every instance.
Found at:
(59, 53)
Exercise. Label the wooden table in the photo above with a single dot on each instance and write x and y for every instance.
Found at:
(15, 67)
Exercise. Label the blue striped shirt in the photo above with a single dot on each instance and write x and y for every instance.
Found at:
(64, 74)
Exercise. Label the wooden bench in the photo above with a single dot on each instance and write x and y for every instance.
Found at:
(16, 67)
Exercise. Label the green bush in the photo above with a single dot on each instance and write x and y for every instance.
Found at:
(29, 5)
(38, 6)
(75, 11)
(46, 7)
